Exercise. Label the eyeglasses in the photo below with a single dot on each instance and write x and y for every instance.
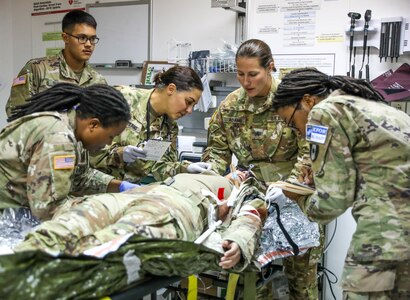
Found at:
(82, 39)
(290, 123)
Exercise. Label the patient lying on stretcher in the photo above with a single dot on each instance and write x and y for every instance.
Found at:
(181, 208)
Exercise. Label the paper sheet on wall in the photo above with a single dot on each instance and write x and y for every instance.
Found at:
(156, 149)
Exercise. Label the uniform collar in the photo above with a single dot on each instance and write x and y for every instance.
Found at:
(259, 104)
(70, 116)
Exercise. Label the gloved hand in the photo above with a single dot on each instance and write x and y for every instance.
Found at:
(275, 195)
(131, 153)
(198, 167)
(126, 185)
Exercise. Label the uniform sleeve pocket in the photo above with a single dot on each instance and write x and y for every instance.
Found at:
(318, 154)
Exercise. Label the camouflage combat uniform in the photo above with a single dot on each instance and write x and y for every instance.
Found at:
(364, 163)
(42, 162)
(255, 134)
(176, 209)
(110, 159)
(42, 73)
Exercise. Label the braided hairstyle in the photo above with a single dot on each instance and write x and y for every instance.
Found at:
(184, 78)
(310, 81)
(96, 101)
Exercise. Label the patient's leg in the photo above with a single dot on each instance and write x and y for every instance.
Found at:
(62, 233)
(149, 217)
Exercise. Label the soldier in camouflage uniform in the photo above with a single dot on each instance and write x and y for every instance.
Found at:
(43, 153)
(154, 112)
(79, 36)
(246, 125)
(360, 149)
(180, 208)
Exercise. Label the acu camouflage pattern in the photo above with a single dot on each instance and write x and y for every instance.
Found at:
(27, 148)
(42, 73)
(255, 134)
(177, 211)
(110, 159)
(364, 164)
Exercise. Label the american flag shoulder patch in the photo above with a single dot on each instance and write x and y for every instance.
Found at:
(63, 162)
(20, 80)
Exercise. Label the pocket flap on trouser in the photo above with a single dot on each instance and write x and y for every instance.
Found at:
(369, 278)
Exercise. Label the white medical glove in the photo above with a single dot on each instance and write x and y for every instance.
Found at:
(131, 153)
(198, 167)
(275, 195)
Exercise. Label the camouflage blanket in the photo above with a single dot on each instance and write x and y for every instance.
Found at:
(35, 274)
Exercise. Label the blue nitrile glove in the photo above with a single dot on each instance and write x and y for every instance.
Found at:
(198, 167)
(131, 153)
(126, 185)
(275, 195)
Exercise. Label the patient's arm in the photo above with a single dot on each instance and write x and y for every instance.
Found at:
(232, 255)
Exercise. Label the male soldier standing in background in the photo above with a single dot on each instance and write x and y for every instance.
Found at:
(70, 65)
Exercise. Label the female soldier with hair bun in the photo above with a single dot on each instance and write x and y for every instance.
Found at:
(154, 114)
(43, 154)
(360, 151)
(245, 125)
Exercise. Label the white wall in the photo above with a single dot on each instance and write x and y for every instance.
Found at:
(193, 21)
(6, 56)
(382, 9)
(15, 50)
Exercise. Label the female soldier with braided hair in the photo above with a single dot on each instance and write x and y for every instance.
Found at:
(360, 148)
(43, 155)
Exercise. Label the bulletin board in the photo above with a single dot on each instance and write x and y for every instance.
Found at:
(124, 29)
(302, 33)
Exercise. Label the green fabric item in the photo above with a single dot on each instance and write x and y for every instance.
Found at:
(33, 273)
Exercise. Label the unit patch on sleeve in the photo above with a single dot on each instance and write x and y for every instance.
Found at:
(63, 162)
(316, 133)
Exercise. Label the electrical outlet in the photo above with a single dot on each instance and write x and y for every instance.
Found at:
(214, 102)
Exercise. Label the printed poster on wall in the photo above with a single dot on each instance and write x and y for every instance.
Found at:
(57, 6)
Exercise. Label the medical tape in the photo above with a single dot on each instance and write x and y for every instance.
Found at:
(132, 265)
(249, 210)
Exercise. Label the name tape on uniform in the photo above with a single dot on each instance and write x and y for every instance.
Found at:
(316, 133)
